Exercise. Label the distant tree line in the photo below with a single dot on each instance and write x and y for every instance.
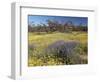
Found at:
(53, 26)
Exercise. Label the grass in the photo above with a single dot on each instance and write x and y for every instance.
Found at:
(37, 56)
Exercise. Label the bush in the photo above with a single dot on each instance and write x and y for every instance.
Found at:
(63, 51)
(81, 49)
(31, 49)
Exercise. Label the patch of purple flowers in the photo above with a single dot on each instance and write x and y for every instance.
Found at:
(63, 50)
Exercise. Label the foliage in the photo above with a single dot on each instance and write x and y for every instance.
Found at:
(53, 26)
(62, 50)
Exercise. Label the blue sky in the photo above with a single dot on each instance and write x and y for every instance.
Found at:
(38, 19)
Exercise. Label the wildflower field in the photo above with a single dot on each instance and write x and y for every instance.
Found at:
(57, 48)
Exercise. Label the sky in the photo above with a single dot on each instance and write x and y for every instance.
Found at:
(38, 19)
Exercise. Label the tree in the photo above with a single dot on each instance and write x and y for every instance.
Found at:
(52, 25)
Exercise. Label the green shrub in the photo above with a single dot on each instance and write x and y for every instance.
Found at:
(81, 49)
